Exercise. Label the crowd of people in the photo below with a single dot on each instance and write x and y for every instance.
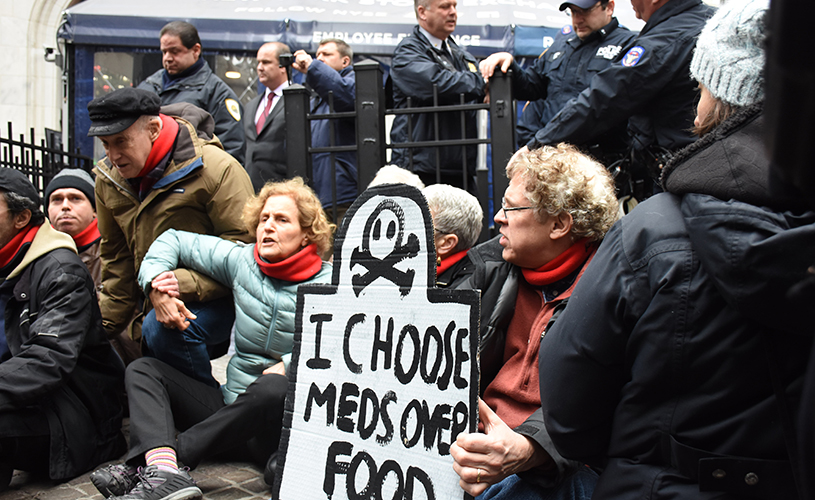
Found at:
(650, 354)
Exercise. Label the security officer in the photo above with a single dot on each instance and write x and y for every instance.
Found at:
(430, 57)
(186, 77)
(648, 86)
(580, 51)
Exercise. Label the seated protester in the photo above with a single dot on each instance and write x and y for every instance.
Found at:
(164, 169)
(556, 210)
(60, 381)
(680, 352)
(244, 418)
(71, 207)
(457, 219)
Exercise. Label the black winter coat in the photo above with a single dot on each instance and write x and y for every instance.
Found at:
(417, 66)
(648, 85)
(663, 361)
(61, 362)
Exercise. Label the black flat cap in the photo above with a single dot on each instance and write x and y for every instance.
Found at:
(112, 113)
(583, 4)
(14, 181)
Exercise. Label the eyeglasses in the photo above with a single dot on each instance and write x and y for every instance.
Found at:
(577, 11)
(506, 209)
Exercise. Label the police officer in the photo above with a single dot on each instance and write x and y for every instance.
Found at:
(430, 57)
(186, 77)
(648, 86)
(580, 51)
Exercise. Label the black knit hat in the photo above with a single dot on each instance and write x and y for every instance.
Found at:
(115, 112)
(71, 178)
(14, 181)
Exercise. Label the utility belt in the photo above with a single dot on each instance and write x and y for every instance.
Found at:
(636, 172)
(738, 476)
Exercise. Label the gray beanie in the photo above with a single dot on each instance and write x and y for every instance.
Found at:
(729, 55)
(71, 178)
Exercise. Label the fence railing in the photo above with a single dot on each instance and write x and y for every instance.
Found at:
(40, 162)
(371, 143)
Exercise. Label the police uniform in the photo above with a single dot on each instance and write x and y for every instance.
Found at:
(417, 66)
(648, 84)
(562, 72)
(205, 90)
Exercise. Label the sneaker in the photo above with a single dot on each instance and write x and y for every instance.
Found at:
(271, 470)
(115, 480)
(156, 484)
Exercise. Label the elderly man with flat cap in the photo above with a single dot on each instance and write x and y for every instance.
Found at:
(60, 381)
(164, 169)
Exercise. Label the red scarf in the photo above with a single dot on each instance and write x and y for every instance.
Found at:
(161, 148)
(448, 262)
(12, 248)
(562, 265)
(88, 236)
(298, 267)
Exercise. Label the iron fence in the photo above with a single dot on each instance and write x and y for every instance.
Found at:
(40, 162)
(371, 143)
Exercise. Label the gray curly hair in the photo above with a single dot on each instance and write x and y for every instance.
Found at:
(562, 179)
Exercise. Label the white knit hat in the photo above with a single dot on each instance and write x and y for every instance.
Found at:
(729, 55)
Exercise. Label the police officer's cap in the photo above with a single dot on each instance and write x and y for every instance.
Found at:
(583, 4)
(112, 113)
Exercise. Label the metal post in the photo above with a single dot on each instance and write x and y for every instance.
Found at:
(370, 108)
(502, 128)
(298, 132)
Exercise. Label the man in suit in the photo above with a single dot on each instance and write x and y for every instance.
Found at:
(266, 130)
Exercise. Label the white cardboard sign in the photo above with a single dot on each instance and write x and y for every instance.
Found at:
(384, 373)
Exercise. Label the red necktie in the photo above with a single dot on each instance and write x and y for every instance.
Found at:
(265, 114)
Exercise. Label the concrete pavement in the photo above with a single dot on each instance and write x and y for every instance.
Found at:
(218, 480)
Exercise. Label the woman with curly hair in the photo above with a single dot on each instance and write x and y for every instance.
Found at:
(244, 417)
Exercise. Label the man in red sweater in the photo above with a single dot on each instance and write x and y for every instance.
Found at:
(556, 210)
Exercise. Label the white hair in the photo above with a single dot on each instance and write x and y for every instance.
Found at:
(455, 211)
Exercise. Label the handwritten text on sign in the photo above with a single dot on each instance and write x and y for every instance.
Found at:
(385, 371)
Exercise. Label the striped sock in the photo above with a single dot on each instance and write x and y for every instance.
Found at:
(164, 458)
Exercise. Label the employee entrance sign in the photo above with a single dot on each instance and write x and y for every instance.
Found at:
(384, 374)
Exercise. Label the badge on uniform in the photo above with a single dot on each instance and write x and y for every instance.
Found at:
(234, 109)
(633, 56)
(472, 67)
(566, 29)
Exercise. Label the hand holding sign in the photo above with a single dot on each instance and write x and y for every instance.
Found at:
(485, 459)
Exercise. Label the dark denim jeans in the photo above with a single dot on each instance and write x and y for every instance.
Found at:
(187, 351)
(578, 486)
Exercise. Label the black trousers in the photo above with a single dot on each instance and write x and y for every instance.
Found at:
(162, 399)
(25, 440)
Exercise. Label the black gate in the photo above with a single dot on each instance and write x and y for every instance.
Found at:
(370, 127)
(40, 162)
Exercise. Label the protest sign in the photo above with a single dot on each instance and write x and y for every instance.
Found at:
(384, 374)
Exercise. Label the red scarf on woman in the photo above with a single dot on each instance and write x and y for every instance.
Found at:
(448, 262)
(12, 248)
(298, 267)
(562, 265)
(88, 236)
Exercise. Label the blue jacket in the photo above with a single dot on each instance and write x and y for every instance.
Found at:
(324, 79)
(205, 90)
(265, 307)
(416, 67)
(562, 72)
(648, 85)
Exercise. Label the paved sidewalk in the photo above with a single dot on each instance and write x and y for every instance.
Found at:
(218, 481)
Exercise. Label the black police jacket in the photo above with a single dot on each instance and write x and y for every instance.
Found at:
(417, 66)
(563, 71)
(648, 85)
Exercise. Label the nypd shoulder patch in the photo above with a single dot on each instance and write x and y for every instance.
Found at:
(633, 56)
(566, 29)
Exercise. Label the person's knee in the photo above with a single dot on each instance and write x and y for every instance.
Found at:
(140, 369)
(267, 391)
